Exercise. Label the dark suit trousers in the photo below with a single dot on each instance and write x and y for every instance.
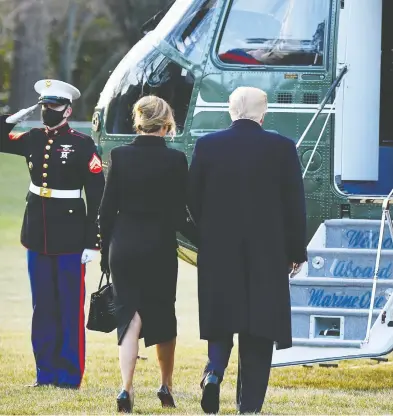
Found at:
(254, 362)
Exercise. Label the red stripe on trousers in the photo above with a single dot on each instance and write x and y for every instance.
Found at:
(82, 322)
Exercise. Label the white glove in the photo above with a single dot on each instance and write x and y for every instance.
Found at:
(21, 115)
(88, 255)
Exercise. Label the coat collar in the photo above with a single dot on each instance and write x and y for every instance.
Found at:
(63, 129)
(246, 123)
(148, 140)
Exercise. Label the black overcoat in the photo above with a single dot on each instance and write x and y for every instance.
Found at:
(246, 195)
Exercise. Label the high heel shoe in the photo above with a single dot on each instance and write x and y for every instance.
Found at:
(125, 403)
(165, 396)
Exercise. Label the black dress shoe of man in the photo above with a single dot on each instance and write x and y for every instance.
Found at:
(210, 402)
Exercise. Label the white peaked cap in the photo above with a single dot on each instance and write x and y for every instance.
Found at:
(54, 88)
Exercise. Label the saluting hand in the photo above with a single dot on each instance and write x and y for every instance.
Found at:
(21, 115)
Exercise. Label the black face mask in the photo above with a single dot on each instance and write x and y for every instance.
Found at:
(51, 117)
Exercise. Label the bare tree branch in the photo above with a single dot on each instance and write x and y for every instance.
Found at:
(113, 59)
(81, 35)
(66, 61)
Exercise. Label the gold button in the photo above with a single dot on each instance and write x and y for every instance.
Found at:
(47, 147)
(98, 235)
(97, 245)
(44, 175)
(70, 211)
(46, 156)
(50, 141)
(44, 184)
(72, 131)
(45, 165)
(56, 131)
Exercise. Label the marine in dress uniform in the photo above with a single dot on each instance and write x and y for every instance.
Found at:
(60, 235)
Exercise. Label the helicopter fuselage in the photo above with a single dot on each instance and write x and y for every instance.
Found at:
(327, 68)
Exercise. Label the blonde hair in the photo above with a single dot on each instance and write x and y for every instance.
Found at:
(248, 103)
(151, 113)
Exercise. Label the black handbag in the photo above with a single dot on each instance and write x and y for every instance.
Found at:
(102, 316)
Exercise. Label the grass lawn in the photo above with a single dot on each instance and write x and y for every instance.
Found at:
(356, 387)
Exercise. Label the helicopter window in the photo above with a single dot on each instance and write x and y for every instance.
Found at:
(276, 32)
(154, 75)
(186, 27)
(191, 42)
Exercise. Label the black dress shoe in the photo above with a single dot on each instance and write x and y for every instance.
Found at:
(124, 402)
(210, 402)
(37, 384)
(165, 396)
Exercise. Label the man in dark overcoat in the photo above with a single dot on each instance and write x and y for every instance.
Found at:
(59, 230)
(247, 199)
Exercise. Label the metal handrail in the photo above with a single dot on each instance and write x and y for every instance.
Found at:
(323, 103)
(385, 217)
(319, 138)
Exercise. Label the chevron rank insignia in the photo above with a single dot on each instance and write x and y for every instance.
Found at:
(95, 165)
(16, 136)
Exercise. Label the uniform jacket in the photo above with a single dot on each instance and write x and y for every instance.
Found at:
(246, 195)
(62, 159)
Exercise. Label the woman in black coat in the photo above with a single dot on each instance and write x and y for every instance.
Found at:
(143, 206)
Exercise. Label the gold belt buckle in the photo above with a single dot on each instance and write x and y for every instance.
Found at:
(45, 192)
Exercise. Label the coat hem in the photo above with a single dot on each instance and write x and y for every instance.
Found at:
(51, 254)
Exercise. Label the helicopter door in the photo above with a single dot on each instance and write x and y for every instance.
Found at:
(358, 100)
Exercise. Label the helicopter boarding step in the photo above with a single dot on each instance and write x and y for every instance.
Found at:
(331, 296)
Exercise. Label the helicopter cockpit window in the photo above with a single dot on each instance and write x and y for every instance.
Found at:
(186, 27)
(153, 75)
(190, 40)
(276, 32)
